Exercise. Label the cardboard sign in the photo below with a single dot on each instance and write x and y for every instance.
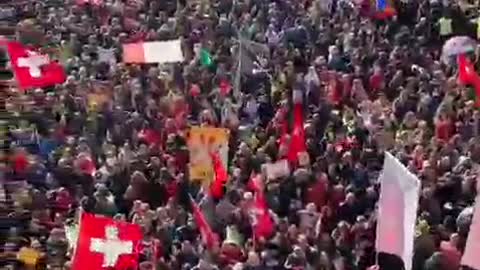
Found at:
(277, 169)
(201, 141)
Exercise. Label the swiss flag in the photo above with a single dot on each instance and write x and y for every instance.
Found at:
(104, 243)
(32, 69)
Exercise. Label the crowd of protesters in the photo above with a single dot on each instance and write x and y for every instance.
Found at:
(369, 84)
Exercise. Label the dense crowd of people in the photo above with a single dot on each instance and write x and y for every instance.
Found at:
(112, 140)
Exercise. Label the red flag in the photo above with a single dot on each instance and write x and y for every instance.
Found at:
(220, 179)
(86, 164)
(262, 223)
(20, 162)
(467, 75)
(150, 136)
(209, 238)
(195, 90)
(33, 70)
(284, 129)
(463, 69)
(264, 226)
(104, 243)
(297, 140)
(255, 183)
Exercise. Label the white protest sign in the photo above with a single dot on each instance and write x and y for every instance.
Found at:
(107, 56)
(277, 169)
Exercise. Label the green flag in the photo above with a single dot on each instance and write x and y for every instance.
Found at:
(206, 58)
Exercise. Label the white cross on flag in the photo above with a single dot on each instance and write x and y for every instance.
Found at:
(31, 69)
(33, 62)
(104, 243)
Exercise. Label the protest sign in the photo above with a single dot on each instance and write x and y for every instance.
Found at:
(201, 142)
(107, 56)
(7, 13)
(277, 169)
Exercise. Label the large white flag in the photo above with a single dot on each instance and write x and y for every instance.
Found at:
(153, 52)
(397, 211)
(471, 256)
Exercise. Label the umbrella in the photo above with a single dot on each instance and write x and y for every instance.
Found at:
(455, 46)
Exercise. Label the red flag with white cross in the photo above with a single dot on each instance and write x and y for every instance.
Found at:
(32, 69)
(104, 243)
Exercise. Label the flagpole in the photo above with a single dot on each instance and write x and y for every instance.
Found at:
(154, 257)
(72, 257)
(238, 73)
